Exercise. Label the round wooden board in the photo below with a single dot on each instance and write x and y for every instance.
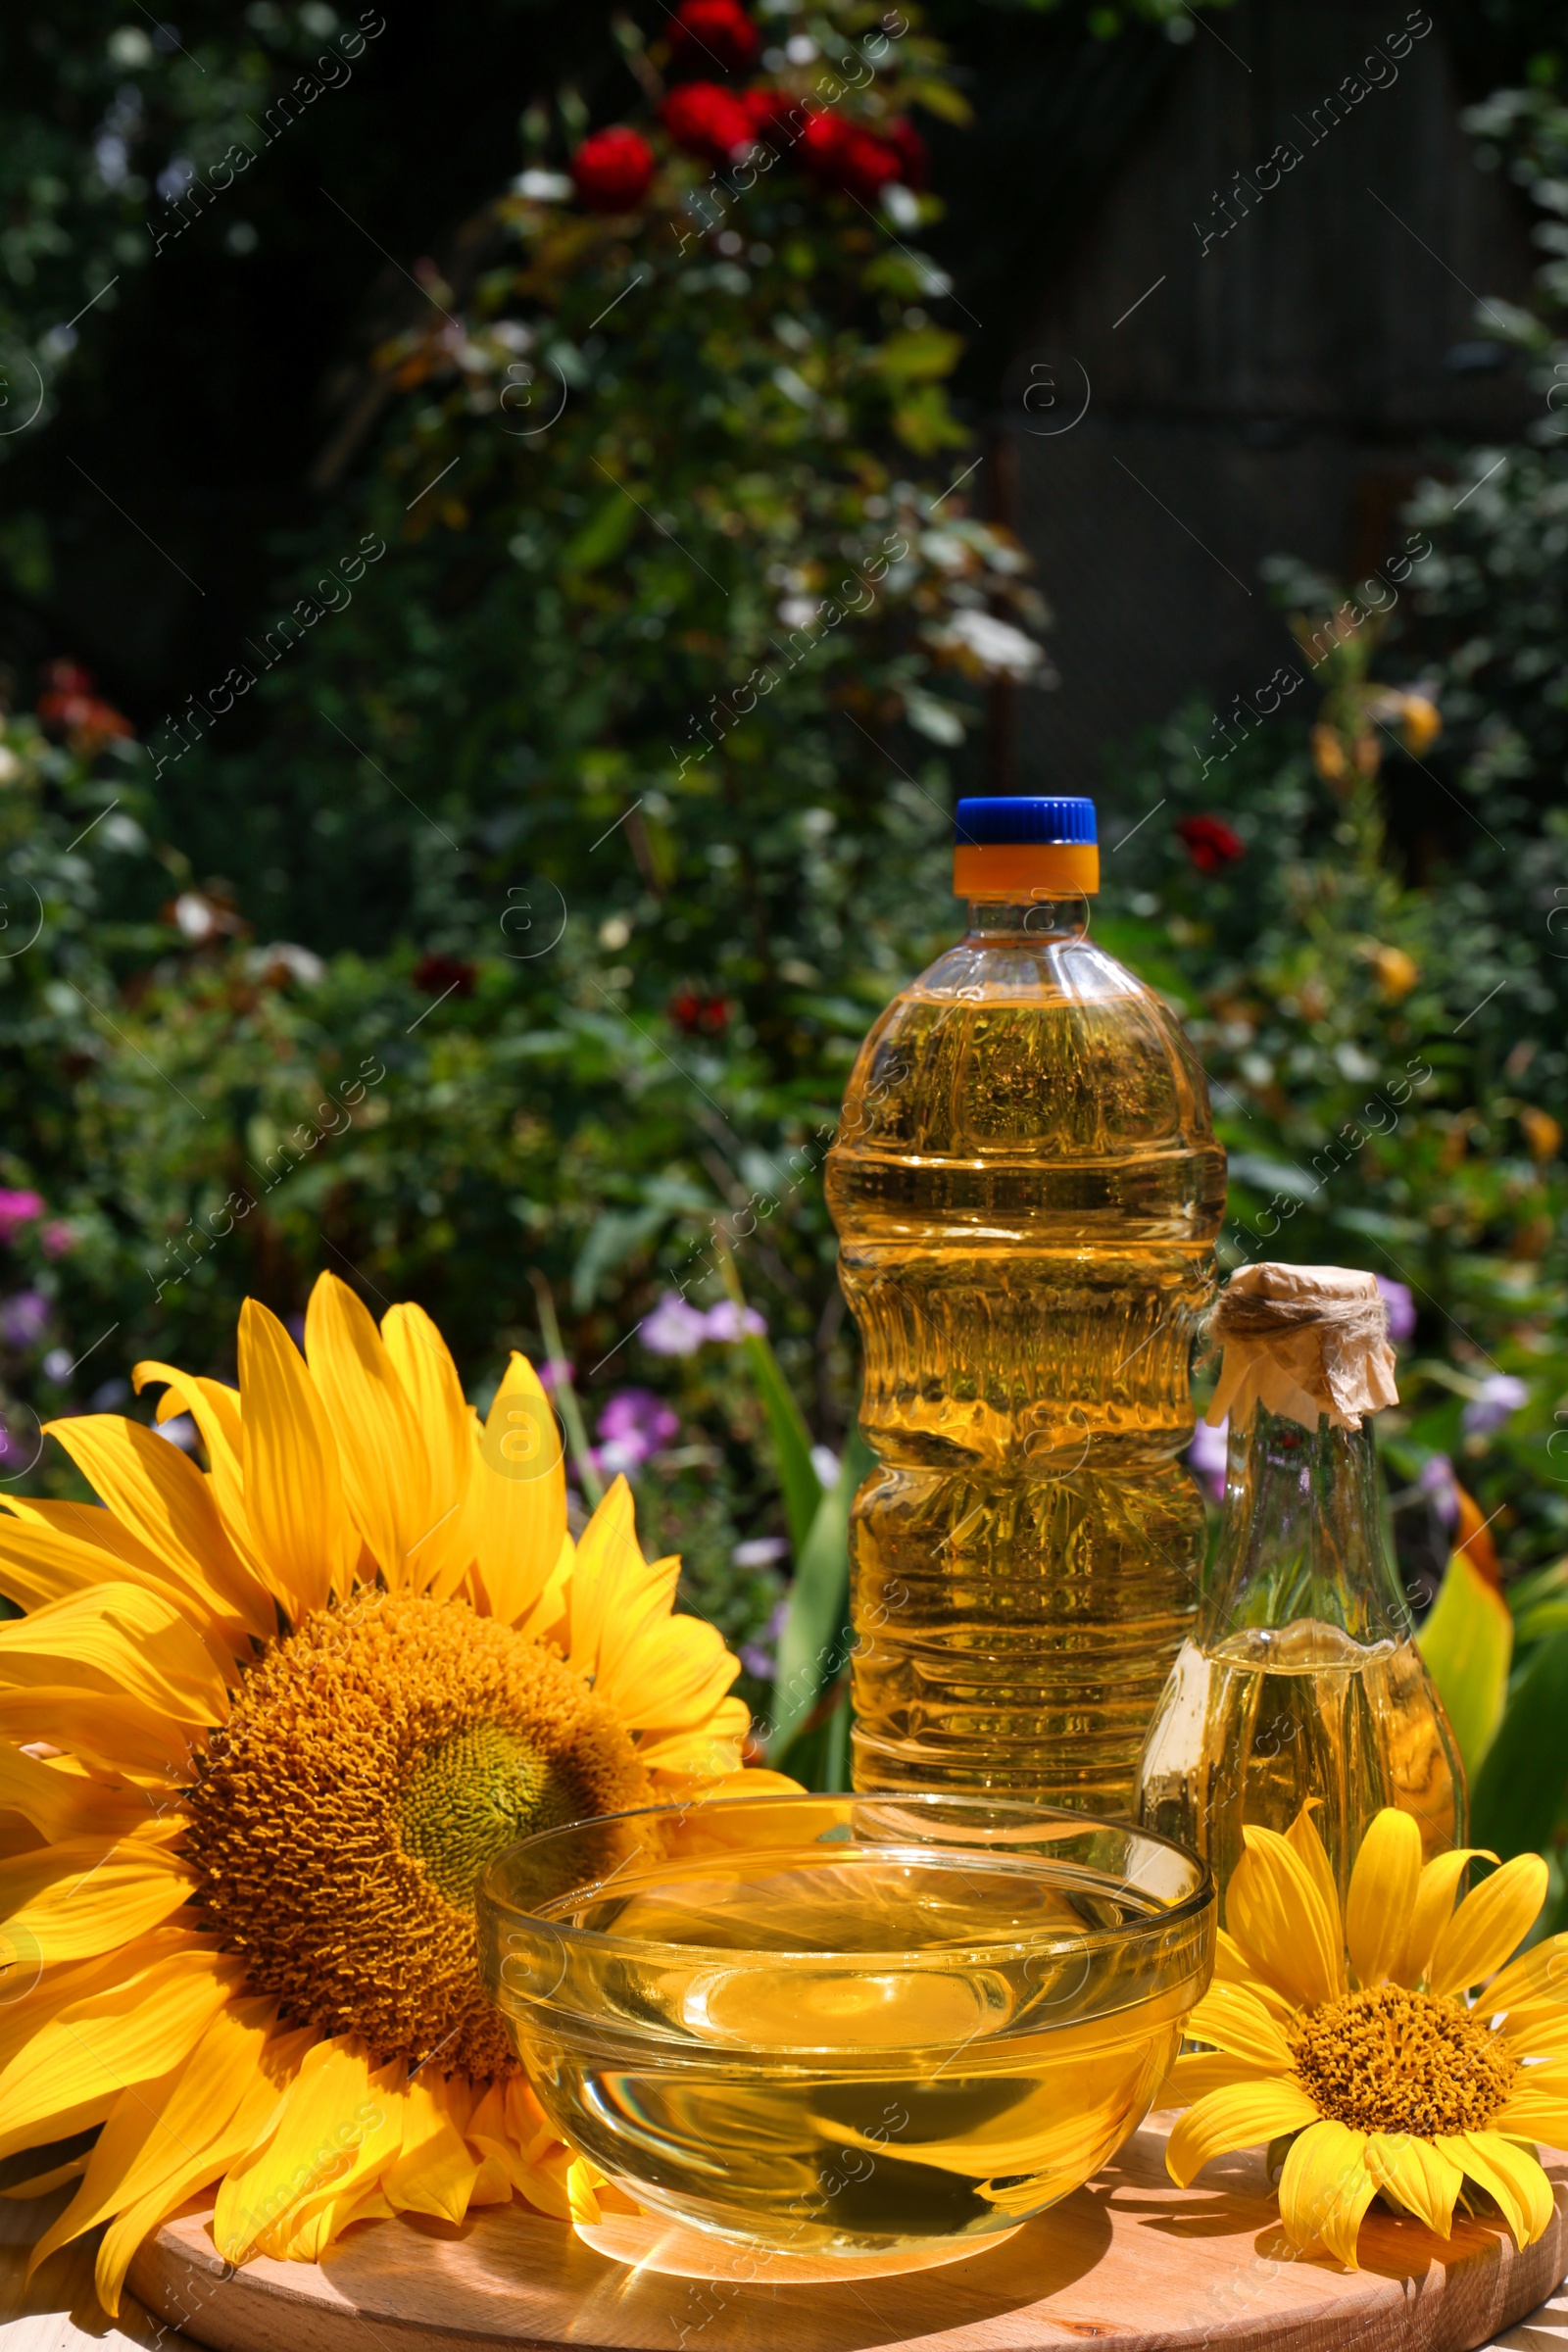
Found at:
(1130, 2261)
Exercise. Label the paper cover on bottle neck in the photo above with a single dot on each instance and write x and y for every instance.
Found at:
(1302, 1341)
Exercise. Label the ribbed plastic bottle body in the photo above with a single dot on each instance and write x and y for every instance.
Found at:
(1026, 1189)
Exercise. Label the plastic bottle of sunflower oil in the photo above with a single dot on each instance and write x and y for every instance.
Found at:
(1301, 1679)
(1027, 1189)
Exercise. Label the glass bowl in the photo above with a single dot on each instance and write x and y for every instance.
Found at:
(852, 2027)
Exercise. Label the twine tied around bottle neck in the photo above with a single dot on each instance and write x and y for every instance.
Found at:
(1302, 1341)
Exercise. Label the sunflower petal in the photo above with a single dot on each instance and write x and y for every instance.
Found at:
(387, 1474)
(1532, 2114)
(165, 1501)
(135, 1885)
(294, 1501)
(62, 1805)
(329, 2111)
(1234, 1966)
(1275, 1910)
(1233, 2019)
(435, 2172)
(154, 2128)
(216, 1412)
(117, 1735)
(1416, 2175)
(1240, 2115)
(1381, 1905)
(1512, 2177)
(609, 1565)
(1490, 1925)
(70, 2073)
(1433, 1904)
(118, 1641)
(519, 1496)
(1308, 1847)
(1192, 2078)
(423, 1364)
(1326, 2188)
(40, 1564)
(1537, 1982)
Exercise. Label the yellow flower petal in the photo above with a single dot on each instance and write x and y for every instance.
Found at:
(435, 2172)
(424, 1365)
(216, 1410)
(1434, 1902)
(154, 2128)
(1240, 2115)
(518, 1494)
(122, 1641)
(1531, 1992)
(1416, 2175)
(330, 2110)
(1275, 1910)
(1326, 2188)
(128, 1887)
(609, 1566)
(165, 1502)
(294, 1500)
(1512, 2177)
(387, 1474)
(1235, 1965)
(1380, 1909)
(70, 2073)
(40, 1564)
(1304, 1841)
(1536, 2113)
(117, 1735)
(1233, 2019)
(1192, 2078)
(1490, 1925)
(63, 1803)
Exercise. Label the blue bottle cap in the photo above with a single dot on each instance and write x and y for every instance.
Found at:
(1019, 818)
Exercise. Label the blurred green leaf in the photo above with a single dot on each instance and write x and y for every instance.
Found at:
(1519, 1790)
(1467, 1643)
(813, 1646)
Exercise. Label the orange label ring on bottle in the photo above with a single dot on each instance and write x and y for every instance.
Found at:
(1025, 870)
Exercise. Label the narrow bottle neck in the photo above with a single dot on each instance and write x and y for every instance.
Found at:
(1303, 1536)
(1030, 919)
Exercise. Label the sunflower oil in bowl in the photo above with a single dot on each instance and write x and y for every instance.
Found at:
(860, 2040)
(1027, 1189)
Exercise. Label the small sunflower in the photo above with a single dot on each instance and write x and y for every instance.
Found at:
(261, 1730)
(1360, 2042)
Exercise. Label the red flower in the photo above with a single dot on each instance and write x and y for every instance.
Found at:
(1210, 844)
(707, 120)
(909, 148)
(445, 975)
(70, 708)
(613, 170)
(846, 157)
(699, 1016)
(710, 35)
(768, 112)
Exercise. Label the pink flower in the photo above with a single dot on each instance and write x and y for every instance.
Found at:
(1206, 1457)
(634, 1425)
(18, 1209)
(58, 1237)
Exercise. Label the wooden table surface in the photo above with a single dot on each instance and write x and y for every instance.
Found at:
(56, 2311)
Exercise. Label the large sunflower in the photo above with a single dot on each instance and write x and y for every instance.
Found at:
(260, 1730)
(1356, 2040)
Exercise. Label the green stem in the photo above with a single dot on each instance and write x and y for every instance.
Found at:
(564, 1396)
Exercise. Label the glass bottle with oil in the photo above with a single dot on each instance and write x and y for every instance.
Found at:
(1027, 1188)
(1301, 1678)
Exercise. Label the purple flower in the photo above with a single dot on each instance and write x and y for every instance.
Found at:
(18, 1209)
(1498, 1398)
(1401, 1306)
(23, 1318)
(727, 1321)
(673, 1328)
(552, 1376)
(1437, 1481)
(758, 1552)
(58, 1237)
(634, 1425)
(760, 1659)
(1206, 1455)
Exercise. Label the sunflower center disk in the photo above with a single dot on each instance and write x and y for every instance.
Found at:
(1389, 2060)
(471, 1797)
(376, 1758)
